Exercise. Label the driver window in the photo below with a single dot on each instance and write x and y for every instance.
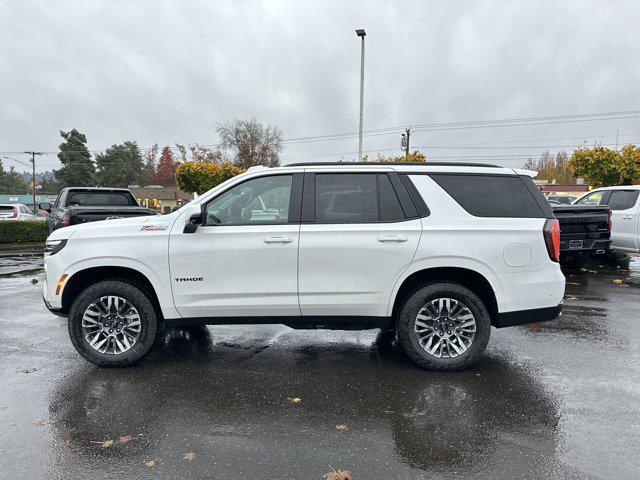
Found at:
(593, 199)
(264, 200)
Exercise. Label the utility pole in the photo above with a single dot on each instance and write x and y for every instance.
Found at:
(617, 133)
(361, 33)
(33, 178)
(406, 137)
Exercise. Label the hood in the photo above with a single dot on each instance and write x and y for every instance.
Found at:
(108, 228)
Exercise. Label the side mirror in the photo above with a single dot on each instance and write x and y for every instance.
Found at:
(194, 221)
(45, 206)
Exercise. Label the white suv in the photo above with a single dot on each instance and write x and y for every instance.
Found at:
(439, 252)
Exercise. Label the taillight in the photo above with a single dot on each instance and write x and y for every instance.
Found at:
(552, 238)
(609, 223)
(65, 220)
(15, 213)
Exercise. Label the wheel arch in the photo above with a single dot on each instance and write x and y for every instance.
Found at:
(471, 279)
(91, 275)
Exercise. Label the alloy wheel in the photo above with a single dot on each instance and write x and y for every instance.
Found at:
(445, 328)
(111, 325)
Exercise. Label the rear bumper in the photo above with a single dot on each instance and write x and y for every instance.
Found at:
(521, 317)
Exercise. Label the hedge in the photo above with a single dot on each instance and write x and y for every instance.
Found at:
(15, 231)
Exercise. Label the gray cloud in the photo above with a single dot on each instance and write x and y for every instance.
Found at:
(168, 71)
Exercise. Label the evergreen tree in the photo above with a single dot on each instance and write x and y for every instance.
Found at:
(77, 167)
(166, 170)
(11, 181)
(121, 165)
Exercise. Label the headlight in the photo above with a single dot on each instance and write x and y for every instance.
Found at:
(51, 247)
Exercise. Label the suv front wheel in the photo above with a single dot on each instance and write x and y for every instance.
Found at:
(443, 326)
(112, 324)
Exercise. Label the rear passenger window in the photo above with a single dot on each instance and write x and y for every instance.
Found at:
(346, 198)
(623, 199)
(490, 195)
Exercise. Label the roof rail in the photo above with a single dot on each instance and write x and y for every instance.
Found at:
(372, 164)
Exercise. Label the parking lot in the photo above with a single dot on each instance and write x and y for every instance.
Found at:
(557, 400)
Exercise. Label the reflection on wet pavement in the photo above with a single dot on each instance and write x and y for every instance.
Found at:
(555, 400)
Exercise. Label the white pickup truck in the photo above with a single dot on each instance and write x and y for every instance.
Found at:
(438, 252)
(624, 202)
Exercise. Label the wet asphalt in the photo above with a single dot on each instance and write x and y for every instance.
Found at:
(557, 400)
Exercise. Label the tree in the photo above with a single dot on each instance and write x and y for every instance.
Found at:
(77, 168)
(166, 170)
(251, 142)
(149, 167)
(552, 168)
(11, 181)
(602, 166)
(121, 165)
(414, 156)
(199, 177)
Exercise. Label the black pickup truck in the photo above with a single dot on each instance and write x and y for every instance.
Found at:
(83, 204)
(585, 230)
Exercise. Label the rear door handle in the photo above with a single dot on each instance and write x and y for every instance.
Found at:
(627, 217)
(277, 240)
(392, 238)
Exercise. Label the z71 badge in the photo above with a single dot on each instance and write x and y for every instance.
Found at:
(148, 228)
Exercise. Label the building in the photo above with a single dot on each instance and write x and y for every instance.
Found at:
(27, 199)
(163, 199)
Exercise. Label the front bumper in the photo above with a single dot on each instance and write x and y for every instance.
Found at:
(55, 311)
(522, 317)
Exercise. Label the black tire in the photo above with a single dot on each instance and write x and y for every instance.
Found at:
(410, 341)
(148, 322)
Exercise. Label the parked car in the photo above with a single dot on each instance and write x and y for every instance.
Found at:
(341, 246)
(585, 230)
(625, 214)
(81, 204)
(563, 199)
(16, 211)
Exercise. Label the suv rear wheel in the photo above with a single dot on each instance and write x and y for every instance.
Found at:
(443, 326)
(112, 324)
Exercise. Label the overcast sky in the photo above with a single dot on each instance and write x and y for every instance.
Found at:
(165, 72)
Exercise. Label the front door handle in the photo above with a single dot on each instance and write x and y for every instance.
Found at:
(392, 238)
(277, 240)
(627, 217)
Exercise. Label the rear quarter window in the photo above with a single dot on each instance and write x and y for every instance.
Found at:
(491, 195)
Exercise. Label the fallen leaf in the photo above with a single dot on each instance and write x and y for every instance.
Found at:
(104, 443)
(125, 438)
(295, 400)
(570, 297)
(28, 370)
(149, 463)
(341, 426)
(189, 456)
(572, 283)
(34, 281)
(617, 281)
(41, 421)
(339, 475)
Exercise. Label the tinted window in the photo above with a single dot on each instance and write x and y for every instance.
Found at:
(100, 199)
(390, 208)
(490, 195)
(6, 208)
(623, 199)
(263, 200)
(595, 198)
(346, 198)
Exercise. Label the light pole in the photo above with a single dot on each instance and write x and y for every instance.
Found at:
(361, 33)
